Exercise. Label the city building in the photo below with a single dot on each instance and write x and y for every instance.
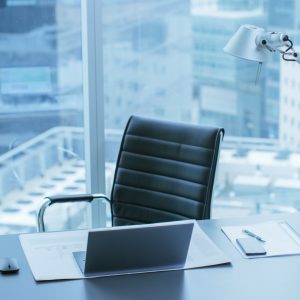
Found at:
(239, 5)
(282, 17)
(225, 86)
(289, 121)
(40, 45)
(147, 60)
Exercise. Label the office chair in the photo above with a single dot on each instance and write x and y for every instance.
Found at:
(165, 171)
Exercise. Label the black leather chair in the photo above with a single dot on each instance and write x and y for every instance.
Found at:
(165, 172)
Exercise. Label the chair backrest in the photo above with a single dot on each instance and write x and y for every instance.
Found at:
(165, 172)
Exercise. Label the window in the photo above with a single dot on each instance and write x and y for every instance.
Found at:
(161, 59)
(293, 103)
(41, 132)
(186, 39)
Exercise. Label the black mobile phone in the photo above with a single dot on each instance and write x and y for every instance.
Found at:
(251, 246)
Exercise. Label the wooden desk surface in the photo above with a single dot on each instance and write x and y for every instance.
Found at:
(266, 278)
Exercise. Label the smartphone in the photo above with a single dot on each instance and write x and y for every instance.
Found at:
(251, 246)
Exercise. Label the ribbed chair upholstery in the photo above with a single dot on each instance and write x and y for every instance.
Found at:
(165, 172)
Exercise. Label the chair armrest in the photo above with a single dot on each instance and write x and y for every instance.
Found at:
(75, 198)
(64, 199)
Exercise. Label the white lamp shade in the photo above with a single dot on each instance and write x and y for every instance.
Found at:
(243, 44)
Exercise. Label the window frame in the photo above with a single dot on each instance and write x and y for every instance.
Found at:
(93, 99)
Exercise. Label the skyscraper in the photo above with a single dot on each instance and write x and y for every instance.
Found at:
(282, 16)
(224, 85)
(239, 5)
(289, 120)
(147, 60)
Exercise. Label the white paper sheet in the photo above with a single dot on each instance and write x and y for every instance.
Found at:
(279, 238)
(202, 251)
(50, 254)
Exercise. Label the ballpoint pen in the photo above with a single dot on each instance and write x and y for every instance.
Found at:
(253, 235)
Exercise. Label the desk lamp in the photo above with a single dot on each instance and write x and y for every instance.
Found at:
(254, 43)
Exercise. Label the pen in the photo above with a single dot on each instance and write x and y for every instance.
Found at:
(253, 235)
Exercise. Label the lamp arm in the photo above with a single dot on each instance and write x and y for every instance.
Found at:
(272, 40)
(275, 42)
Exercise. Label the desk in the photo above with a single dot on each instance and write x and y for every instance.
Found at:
(267, 278)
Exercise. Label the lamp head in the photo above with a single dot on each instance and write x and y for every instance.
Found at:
(244, 44)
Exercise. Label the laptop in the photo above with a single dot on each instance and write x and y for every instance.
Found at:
(136, 249)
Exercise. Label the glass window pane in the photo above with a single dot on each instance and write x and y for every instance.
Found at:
(41, 132)
(165, 59)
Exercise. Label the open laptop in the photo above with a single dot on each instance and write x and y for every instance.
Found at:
(136, 249)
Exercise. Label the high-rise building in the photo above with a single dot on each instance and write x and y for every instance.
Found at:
(281, 17)
(289, 124)
(39, 40)
(238, 5)
(147, 60)
(225, 86)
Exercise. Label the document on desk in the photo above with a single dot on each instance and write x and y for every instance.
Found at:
(50, 255)
(203, 252)
(279, 237)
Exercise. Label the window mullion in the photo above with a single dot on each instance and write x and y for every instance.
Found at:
(93, 105)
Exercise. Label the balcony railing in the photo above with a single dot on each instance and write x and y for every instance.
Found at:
(254, 176)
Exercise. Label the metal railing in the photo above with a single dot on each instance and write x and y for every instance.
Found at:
(61, 144)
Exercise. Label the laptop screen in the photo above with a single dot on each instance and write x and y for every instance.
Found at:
(129, 249)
